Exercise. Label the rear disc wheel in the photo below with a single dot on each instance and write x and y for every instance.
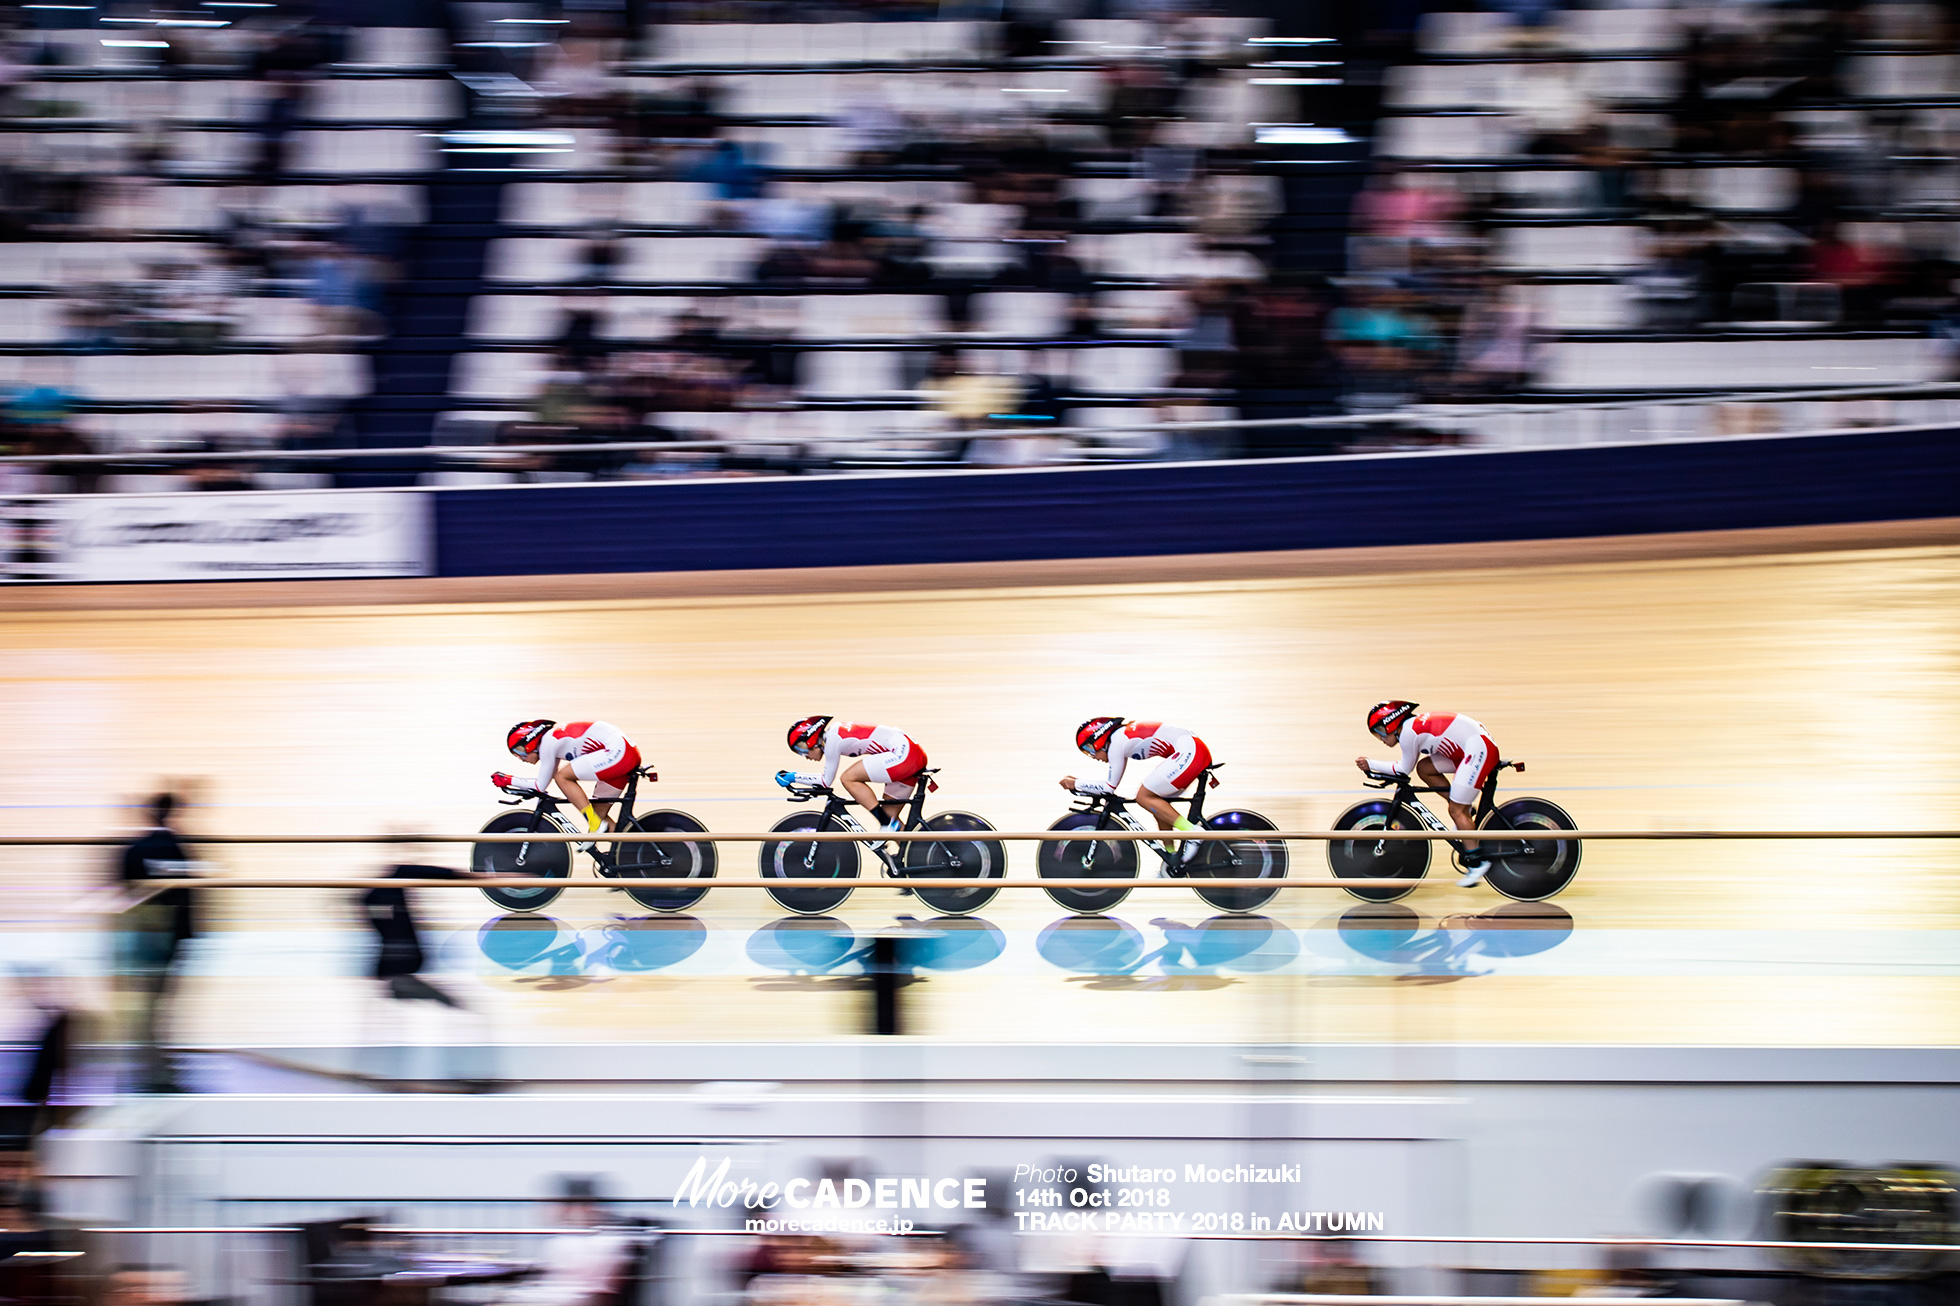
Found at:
(1542, 864)
(1252, 857)
(962, 859)
(680, 859)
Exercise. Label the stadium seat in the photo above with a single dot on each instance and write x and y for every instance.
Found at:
(1568, 190)
(1455, 33)
(683, 260)
(642, 318)
(860, 317)
(545, 260)
(1439, 86)
(503, 376)
(667, 204)
(31, 321)
(362, 150)
(1745, 189)
(1138, 255)
(1903, 76)
(562, 203)
(398, 47)
(1123, 370)
(25, 265)
(1571, 249)
(273, 321)
(1737, 364)
(385, 99)
(1620, 30)
(1140, 310)
(1631, 81)
(517, 319)
(848, 373)
(1019, 313)
(1448, 137)
(1110, 199)
(1582, 306)
(793, 147)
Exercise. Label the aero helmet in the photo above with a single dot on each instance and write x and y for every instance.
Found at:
(1093, 735)
(1385, 719)
(807, 735)
(524, 738)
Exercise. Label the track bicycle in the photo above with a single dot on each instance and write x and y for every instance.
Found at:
(1249, 858)
(950, 858)
(1527, 868)
(679, 864)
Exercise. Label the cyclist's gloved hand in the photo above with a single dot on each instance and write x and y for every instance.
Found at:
(785, 778)
(499, 779)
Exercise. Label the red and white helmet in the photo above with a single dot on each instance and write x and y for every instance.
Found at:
(525, 737)
(1092, 736)
(1385, 719)
(806, 736)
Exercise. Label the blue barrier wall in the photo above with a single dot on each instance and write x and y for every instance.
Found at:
(1432, 498)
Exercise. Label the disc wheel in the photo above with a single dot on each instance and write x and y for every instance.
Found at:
(1250, 857)
(550, 860)
(974, 859)
(1072, 860)
(681, 859)
(1378, 859)
(1531, 867)
(809, 860)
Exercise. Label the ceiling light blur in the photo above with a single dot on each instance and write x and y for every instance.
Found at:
(1293, 81)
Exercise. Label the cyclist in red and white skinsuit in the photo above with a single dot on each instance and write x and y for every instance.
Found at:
(1434, 745)
(888, 757)
(574, 754)
(1184, 757)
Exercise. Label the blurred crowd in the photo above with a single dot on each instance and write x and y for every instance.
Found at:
(1765, 184)
(1752, 178)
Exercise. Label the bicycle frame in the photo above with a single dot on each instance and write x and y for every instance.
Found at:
(1408, 795)
(839, 808)
(1114, 808)
(547, 812)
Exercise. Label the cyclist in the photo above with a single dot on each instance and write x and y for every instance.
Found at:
(1110, 739)
(575, 754)
(888, 757)
(1435, 745)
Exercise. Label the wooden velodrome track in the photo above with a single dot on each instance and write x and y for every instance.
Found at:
(1749, 680)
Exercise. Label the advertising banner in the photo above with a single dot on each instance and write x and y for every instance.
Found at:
(219, 536)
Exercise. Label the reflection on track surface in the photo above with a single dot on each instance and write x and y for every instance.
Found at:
(1799, 690)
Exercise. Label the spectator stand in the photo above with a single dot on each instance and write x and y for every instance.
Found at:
(1626, 200)
(202, 220)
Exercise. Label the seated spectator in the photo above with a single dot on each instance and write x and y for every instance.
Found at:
(1860, 267)
(968, 398)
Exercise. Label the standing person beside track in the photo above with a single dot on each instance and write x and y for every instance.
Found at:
(888, 757)
(575, 754)
(1110, 739)
(1435, 745)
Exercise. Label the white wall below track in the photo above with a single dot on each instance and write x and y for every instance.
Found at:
(1485, 1141)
